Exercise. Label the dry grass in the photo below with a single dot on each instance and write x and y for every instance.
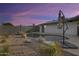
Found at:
(16, 48)
(51, 50)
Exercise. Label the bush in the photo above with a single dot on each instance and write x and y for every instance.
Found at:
(50, 50)
(4, 51)
(3, 41)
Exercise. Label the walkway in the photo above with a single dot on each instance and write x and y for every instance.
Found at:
(74, 40)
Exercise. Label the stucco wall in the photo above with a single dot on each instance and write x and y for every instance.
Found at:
(54, 29)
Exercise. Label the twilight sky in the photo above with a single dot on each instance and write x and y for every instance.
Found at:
(35, 13)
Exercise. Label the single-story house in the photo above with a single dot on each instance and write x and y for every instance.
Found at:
(51, 27)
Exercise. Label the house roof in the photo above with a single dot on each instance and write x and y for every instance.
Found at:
(72, 19)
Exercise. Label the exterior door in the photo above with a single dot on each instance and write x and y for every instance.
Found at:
(78, 29)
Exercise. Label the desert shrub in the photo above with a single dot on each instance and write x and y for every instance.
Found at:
(3, 41)
(4, 48)
(4, 51)
(50, 50)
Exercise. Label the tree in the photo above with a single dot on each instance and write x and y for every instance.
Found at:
(8, 28)
(8, 24)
